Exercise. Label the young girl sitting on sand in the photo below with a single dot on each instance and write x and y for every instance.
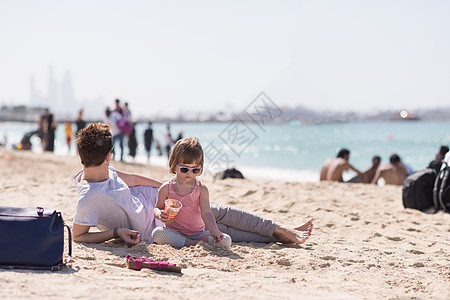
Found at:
(188, 227)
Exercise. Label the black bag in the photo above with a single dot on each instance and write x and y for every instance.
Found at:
(417, 190)
(441, 191)
(31, 238)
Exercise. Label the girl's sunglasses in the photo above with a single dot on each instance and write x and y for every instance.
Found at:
(184, 169)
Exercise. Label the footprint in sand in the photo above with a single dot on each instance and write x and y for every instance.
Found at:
(327, 210)
(328, 257)
(394, 238)
(413, 229)
(356, 261)
(248, 193)
(416, 252)
(87, 257)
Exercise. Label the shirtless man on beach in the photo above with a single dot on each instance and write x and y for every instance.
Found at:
(393, 173)
(333, 168)
(369, 174)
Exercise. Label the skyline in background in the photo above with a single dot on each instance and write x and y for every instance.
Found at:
(177, 57)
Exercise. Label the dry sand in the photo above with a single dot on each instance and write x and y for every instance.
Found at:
(364, 245)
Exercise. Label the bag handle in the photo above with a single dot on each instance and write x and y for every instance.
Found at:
(59, 266)
(70, 243)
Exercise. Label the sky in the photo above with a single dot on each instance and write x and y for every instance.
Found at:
(182, 57)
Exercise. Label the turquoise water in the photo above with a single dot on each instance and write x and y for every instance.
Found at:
(284, 151)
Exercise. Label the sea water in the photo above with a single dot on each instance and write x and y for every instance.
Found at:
(280, 151)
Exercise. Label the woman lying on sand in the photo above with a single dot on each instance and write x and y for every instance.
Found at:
(121, 204)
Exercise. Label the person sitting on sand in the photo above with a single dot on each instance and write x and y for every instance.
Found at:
(368, 174)
(437, 162)
(333, 168)
(188, 226)
(393, 173)
(121, 204)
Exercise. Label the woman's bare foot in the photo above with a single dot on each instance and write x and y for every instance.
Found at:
(307, 226)
(298, 235)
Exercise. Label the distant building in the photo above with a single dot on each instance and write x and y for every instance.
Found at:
(20, 113)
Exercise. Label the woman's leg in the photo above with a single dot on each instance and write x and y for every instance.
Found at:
(121, 145)
(245, 236)
(246, 227)
(297, 235)
(243, 226)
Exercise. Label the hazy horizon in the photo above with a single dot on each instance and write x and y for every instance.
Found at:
(177, 57)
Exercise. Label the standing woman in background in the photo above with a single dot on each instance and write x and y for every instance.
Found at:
(148, 140)
(132, 142)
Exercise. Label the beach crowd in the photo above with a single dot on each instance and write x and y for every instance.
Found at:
(122, 126)
(395, 172)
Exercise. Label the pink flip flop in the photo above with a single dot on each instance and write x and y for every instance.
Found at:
(139, 263)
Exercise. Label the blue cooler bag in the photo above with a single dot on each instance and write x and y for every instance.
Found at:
(32, 238)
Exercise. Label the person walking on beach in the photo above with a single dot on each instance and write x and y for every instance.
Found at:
(121, 204)
(132, 142)
(126, 112)
(180, 135)
(168, 140)
(117, 107)
(148, 140)
(49, 126)
(80, 122)
(393, 173)
(41, 132)
(69, 133)
(333, 168)
(112, 118)
(188, 227)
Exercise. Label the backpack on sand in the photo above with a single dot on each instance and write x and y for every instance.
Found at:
(441, 191)
(417, 192)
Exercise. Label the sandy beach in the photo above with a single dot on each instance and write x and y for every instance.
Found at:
(364, 245)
